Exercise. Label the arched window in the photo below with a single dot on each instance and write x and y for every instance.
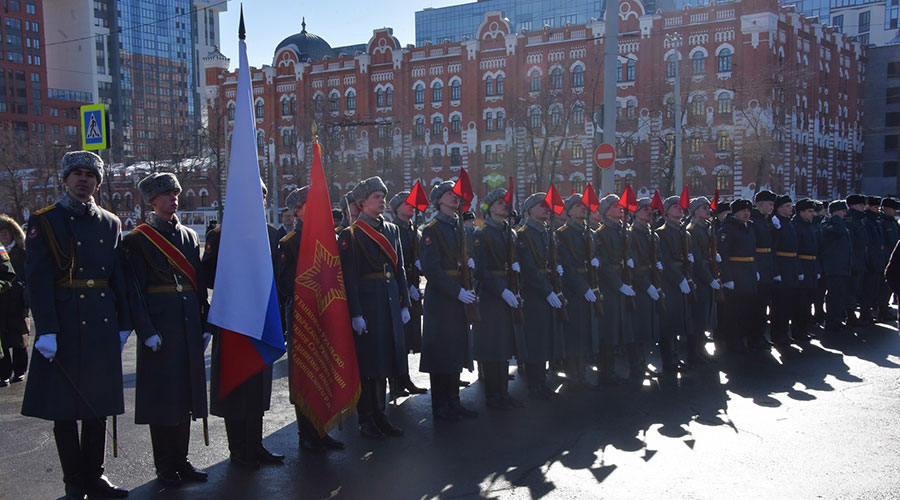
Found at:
(420, 94)
(723, 180)
(129, 201)
(619, 76)
(259, 109)
(285, 107)
(632, 108)
(499, 84)
(698, 105)
(293, 105)
(489, 86)
(455, 90)
(204, 198)
(455, 124)
(500, 122)
(260, 140)
(671, 66)
(696, 142)
(437, 125)
(231, 111)
(723, 141)
(578, 77)
(723, 103)
(335, 99)
(379, 98)
(535, 84)
(190, 200)
(724, 60)
(489, 121)
(556, 116)
(698, 63)
(351, 101)
(578, 114)
(629, 76)
(535, 118)
(420, 126)
(556, 79)
(389, 102)
(437, 92)
(695, 182)
(319, 101)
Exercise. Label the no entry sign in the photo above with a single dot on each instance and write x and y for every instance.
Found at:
(604, 155)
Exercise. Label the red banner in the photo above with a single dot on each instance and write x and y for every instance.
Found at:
(656, 203)
(685, 200)
(589, 198)
(628, 201)
(173, 254)
(463, 189)
(324, 373)
(715, 203)
(417, 197)
(554, 200)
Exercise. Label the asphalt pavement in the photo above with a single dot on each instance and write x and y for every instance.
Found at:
(821, 422)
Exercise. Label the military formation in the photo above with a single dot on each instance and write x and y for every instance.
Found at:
(613, 284)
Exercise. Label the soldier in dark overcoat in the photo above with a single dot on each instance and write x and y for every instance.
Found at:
(13, 308)
(285, 274)
(575, 241)
(169, 306)
(77, 294)
(737, 246)
(786, 278)
(876, 259)
(891, 231)
(859, 238)
(810, 270)
(541, 326)
(446, 338)
(704, 306)
(764, 227)
(412, 331)
(674, 246)
(645, 317)
(494, 336)
(837, 266)
(378, 299)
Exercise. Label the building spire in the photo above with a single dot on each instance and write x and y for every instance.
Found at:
(303, 25)
(242, 33)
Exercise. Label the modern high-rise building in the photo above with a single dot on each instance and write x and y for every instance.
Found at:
(140, 57)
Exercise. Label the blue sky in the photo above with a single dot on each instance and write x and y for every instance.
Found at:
(339, 22)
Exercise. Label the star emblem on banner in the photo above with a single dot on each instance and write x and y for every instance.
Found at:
(324, 278)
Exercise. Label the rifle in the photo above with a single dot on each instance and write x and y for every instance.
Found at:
(713, 263)
(592, 272)
(627, 274)
(512, 278)
(686, 263)
(655, 278)
(413, 275)
(465, 274)
(562, 314)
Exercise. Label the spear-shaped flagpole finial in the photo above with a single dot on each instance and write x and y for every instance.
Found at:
(242, 33)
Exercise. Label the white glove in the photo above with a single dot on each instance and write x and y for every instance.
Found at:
(123, 337)
(777, 278)
(515, 267)
(690, 257)
(800, 277)
(46, 345)
(153, 343)
(509, 298)
(404, 315)
(659, 265)
(418, 265)
(206, 337)
(471, 263)
(627, 290)
(776, 222)
(595, 262)
(729, 285)
(559, 270)
(358, 324)
(653, 292)
(590, 296)
(465, 296)
(718, 258)
(757, 276)
(554, 301)
(629, 263)
(685, 286)
(413, 292)
(715, 285)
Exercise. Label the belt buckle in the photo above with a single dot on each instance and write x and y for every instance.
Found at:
(89, 283)
(388, 275)
(179, 288)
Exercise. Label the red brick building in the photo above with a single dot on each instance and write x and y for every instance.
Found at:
(769, 98)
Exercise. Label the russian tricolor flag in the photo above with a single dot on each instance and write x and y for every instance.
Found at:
(244, 303)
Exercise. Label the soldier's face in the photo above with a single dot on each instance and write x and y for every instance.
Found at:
(858, 206)
(890, 212)
(81, 184)
(499, 209)
(165, 204)
(702, 212)
(643, 215)
(807, 215)
(766, 207)
(299, 213)
(405, 210)
(449, 200)
(287, 218)
(540, 212)
(675, 213)
(615, 212)
(5, 237)
(742, 215)
(373, 205)
(578, 212)
(786, 210)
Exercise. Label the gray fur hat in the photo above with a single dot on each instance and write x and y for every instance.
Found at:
(697, 202)
(439, 190)
(643, 202)
(606, 202)
(671, 200)
(158, 183)
(398, 199)
(297, 198)
(82, 159)
(367, 187)
(571, 201)
(491, 198)
(532, 201)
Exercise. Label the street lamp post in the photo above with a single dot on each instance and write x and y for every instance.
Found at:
(674, 40)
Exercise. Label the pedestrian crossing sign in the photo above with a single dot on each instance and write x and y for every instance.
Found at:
(94, 130)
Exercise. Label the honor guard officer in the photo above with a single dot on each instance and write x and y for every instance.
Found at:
(286, 273)
(378, 298)
(616, 284)
(703, 309)
(810, 272)
(737, 246)
(786, 278)
(674, 246)
(646, 284)
(536, 258)
(859, 237)
(763, 226)
(837, 266)
(170, 320)
(821, 214)
(575, 241)
(888, 220)
(245, 405)
(77, 294)
(876, 261)
(495, 340)
(409, 241)
(446, 340)
(13, 309)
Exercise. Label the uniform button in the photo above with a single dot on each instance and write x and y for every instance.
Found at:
(71, 218)
(103, 268)
(78, 243)
(83, 323)
(81, 296)
(185, 298)
(103, 294)
(80, 269)
(101, 242)
(105, 320)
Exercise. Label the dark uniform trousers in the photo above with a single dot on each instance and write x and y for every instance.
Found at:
(838, 298)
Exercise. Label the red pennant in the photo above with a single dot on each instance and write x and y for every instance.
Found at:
(589, 198)
(684, 201)
(417, 197)
(628, 200)
(715, 203)
(656, 203)
(508, 197)
(463, 189)
(554, 200)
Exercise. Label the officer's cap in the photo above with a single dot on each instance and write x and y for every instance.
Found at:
(820, 205)
(723, 207)
(297, 198)
(855, 199)
(571, 201)
(836, 206)
(765, 195)
(398, 199)
(82, 159)
(891, 203)
(606, 202)
(491, 198)
(367, 187)
(671, 200)
(781, 200)
(439, 190)
(697, 203)
(805, 204)
(740, 204)
(158, 183)
(532, 201)
(873, 201)
(643, 202)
